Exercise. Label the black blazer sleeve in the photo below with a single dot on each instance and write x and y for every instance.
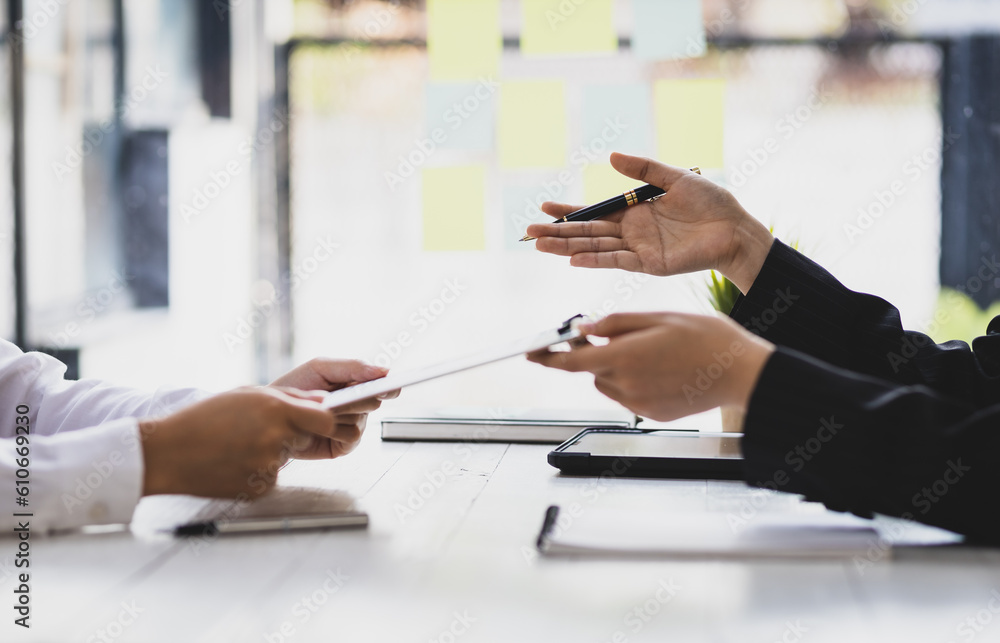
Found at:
(797, 304)
(857, 413)
(860, 444)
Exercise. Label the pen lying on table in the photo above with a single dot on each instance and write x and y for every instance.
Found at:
(614, 204)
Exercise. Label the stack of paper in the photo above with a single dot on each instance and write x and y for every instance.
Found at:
(619, 533)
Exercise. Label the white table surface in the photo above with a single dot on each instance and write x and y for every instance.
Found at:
(462, 567)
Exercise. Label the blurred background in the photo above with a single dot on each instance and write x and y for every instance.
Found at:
(206, 192)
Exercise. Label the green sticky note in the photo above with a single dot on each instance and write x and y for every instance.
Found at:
(601, 182)
(689, 121)
(567, 27)
(464, 41)
(453, 205)
(532, 127)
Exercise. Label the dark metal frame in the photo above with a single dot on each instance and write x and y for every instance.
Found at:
(15, 39)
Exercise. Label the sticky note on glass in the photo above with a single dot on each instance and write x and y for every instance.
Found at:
(668, 29)
(567, 27)
(464, 41)
(453, 205)
(601, 182)
(617, 118)
(521, 205)
(461, 115)
(689, 121)
(532, 127)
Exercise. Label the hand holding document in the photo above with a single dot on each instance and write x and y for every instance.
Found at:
(397, 380)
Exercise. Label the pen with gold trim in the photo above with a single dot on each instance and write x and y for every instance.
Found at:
(614, 204)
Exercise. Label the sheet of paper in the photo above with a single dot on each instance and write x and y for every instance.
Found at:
(402, 379)
(619, 532)
(567, 27)
(532, 127)
(461, 114)
(689, 121)
(601, 181)
(668, 29)
(618, 118)
(453, 208)
(464, 41)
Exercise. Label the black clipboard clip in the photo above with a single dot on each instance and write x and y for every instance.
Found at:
(568, 325)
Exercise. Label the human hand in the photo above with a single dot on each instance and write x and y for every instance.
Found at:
(667, 365)
(231, 444)
(696, 225)
(322, 374)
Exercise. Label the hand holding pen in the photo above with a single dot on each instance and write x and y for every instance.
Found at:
(695, 225)
(607, 207)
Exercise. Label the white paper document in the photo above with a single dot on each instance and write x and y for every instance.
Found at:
(401, 379)
(611, 533)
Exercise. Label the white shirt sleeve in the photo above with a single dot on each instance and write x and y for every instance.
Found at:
(84, 460)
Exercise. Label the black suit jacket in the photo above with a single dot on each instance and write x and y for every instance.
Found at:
(855, 412)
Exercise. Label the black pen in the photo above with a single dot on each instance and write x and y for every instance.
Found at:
(614, 204)
(269, 525)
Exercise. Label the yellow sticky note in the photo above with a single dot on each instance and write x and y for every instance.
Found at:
(464, 41)
(689, 121)
(563, 26)
(532, 127)
(453, 202)
(601, 182)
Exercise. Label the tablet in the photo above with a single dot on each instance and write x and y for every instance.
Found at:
(650, 453)
(397, 380)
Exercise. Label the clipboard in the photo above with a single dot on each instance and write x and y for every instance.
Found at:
(397, 380)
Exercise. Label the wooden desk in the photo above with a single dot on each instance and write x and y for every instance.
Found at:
(460, 566)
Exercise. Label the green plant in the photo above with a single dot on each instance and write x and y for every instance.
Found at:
(957, 316)
(722, 293)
